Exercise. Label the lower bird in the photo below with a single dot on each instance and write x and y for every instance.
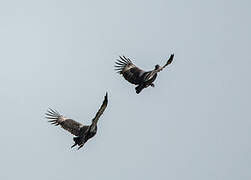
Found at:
(135, 75)
(82, 132)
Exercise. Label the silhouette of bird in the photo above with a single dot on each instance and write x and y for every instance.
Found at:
(135, 75)
(82, 132)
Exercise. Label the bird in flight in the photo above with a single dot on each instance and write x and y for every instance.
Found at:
(135, 75)
(81, 132)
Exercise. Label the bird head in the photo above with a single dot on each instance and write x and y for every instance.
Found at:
(157, 67)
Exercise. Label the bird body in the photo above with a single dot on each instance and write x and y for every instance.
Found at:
(137, 76)
(84, 137)
(82, 132)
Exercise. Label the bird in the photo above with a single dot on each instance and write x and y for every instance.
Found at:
(137, 76)
(81, 132)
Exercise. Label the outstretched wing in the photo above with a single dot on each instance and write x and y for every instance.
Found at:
(100, 112)
(169, 61)
(68, 124)
(131, 73)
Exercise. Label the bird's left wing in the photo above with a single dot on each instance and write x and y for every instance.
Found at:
(70, 125)
(100, 112)
(130, 71)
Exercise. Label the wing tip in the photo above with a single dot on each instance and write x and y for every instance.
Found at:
(170, 60)
(52, 114)
(121, 64)
(106, 97)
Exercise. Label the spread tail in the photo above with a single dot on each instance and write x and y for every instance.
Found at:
(139, 88)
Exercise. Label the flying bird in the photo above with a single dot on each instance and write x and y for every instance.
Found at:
(137, 76)
(81, 132)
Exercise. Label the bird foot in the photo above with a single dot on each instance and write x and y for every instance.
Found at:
(80, 146)
(73, 145)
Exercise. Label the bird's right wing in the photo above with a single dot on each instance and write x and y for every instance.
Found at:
(131, 73)
(100, 112)
(149, 75)
(169, 61)
(68, 124)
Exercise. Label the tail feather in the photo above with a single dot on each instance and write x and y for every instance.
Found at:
(139, 88)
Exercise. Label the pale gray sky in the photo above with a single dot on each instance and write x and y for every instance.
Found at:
(195, 124)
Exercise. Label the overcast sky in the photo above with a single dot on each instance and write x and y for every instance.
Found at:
(195, 124)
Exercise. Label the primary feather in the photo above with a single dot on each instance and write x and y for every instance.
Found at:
(100, 112)
(131, 73)
(68, 124)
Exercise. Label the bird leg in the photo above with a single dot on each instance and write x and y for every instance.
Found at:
(80, 146)
(77, 141)
(73, 145)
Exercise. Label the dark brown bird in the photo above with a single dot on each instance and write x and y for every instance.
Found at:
(82, 132)
(135, 75)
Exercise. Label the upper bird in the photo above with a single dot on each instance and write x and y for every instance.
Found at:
(82, 132)
(135, 75)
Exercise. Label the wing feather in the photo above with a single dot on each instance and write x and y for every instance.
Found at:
(131, 73)
(100, 112)
(68, 124)
(169, 61)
